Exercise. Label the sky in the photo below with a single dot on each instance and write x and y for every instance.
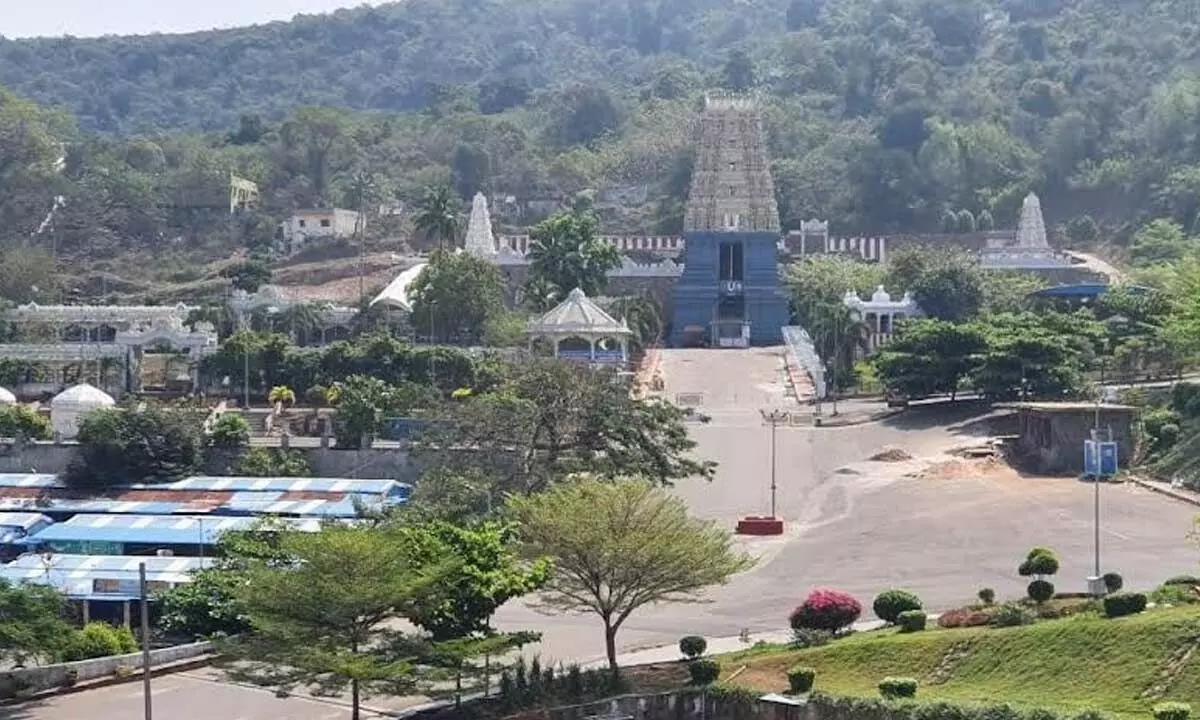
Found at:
(89, 18)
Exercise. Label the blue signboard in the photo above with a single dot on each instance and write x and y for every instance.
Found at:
(1099, 458)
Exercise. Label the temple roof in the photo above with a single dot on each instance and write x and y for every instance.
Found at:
(578, 314)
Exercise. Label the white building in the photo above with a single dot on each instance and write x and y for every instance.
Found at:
(308, 225)
(880, 314)
(69, 407)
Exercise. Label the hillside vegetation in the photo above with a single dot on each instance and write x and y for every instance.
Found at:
(883, 116)
(1121, 666)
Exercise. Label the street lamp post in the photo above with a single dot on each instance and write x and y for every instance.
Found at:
(775, 418)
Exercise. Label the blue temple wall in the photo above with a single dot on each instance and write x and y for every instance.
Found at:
(699, 288)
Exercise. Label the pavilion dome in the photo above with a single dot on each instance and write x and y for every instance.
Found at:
(69, 407)
(7, 398)
(881, 296)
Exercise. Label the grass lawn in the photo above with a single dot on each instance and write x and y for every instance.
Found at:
(1121, 666)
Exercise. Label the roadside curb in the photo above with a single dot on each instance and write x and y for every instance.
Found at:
(828, 421)
(168, 669)
(1167, 492)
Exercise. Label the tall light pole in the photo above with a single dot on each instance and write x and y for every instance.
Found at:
(774, 418)
(144, 606)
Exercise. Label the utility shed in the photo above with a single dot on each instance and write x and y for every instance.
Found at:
(1052, 433)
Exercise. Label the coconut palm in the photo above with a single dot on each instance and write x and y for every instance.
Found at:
(282, 395)
(437, 215)
(301, 320)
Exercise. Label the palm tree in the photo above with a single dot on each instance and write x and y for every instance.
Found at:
(364, 187)
(437, 215)
(302, 320)
(281, 395)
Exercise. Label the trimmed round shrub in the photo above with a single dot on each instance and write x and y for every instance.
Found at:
(704, 672)
(692, 646)
(912, 621)
(1122, 604)
(1172, 711)
(1113, 582)
(898, 687)
(1039, 561)
(823, 609)
(987, 596)
(890, 603)
(1040, 591)
(800, 679)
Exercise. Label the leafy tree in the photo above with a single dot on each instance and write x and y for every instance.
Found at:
(24, 422)
(1027, 358)
(326, 617)
(32, 622)
(364, 403)
(271, 462)
(929, 357)
(123, 445)
(583, 114)
(205, 607)
(438, 215)
(618, 546)
(281, 395)
(553, 418)
(567, 254)
(1161, 241)
(738, 74)
(247, 276)
(947, 285)
(456, 296)
(230, 432)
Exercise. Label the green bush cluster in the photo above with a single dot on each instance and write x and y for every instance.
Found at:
(98, 640)
(692, 646)
(890, 603)
(1010, 615)
(1039, 562)
(1122, 604)
(524, 686)
(894, 688)
(806, 638)
(1172, 711)
(800, 679)
(987, 596)
(1113, 582)
(882, 709)
(704, 672)
(912, 621)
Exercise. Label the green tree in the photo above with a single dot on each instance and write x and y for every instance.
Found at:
(455, 297)
(567, 254)
(438, 215)
(929, 357)
(1161, 241)
(948, 285)
(32, 622)
(364, 403)
(205, 607)
(231, 431)
(271, 462)
(123, 445)
(326, 618)
(1026, 356)
(22, 421)
(738, 74)
(553, 418)
(618, 546)
(247, 276)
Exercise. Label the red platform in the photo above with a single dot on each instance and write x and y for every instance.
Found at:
(761, 526)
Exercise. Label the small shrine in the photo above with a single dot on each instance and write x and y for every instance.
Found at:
(880, 314)
(579, 329)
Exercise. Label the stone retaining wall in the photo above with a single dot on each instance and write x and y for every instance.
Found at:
(30, 681)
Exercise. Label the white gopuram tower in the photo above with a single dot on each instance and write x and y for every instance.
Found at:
(480, 240)
(1031, 232)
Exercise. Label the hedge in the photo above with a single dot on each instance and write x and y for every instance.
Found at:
(911, 621)
(1123, 604)
(898, 687)
(800, 679)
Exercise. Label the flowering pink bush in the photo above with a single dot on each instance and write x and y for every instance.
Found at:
(831, 610)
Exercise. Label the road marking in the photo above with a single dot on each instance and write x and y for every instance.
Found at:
(1116, 534)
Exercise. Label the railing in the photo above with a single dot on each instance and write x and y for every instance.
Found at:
(801, 347)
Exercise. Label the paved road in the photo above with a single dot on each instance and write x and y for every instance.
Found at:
(190, 696)
(863, 532)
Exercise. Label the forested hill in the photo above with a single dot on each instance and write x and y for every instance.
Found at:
(884, 115)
